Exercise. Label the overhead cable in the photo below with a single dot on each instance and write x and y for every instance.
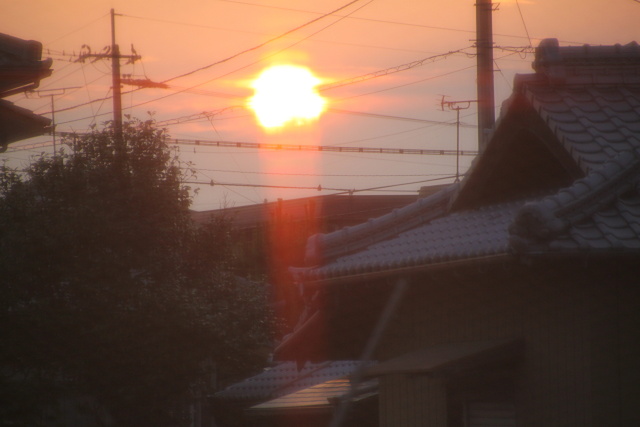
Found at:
(391, 70)
(216, 63)
(323, 148)
(319, 187)
(286, 33)
(284, 147)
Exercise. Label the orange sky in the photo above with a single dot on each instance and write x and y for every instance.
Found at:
(396, 110)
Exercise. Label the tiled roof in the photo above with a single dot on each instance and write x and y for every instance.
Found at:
(587, 64)
(322, 247)
(589, 98)
(593, 123)
(286, 378)
(462, 235)
(598, 212)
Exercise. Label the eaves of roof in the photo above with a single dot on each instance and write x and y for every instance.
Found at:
(17, 123)
(21, 66)
(320, 279)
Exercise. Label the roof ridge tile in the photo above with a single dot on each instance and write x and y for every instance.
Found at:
(325, 246)
(544, 219)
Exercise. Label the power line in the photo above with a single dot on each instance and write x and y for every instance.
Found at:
(524, 23)
(354, 80)
(284, 147)
(262, 44)
(391, 70)
(408, 119)
(213, 183)
(216, 63)
(408, 84)
(322, 148)
(318, 175)
(78, 29)
(355, 17)
(358, 79)
(516, 49)
(267, 34)
(264, 58)
(209, 115)
(383, 21)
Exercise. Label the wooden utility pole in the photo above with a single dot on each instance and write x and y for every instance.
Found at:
(484, 46)
(113, 53)
(115, 72)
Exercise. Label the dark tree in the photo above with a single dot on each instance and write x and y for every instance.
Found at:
(110, 295)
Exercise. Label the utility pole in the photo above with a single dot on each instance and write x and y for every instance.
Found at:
(115, 72)
(113, 53)
(457, 106)
(484, 46)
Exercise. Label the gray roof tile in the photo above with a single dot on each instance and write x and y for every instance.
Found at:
(593, 122)
(322, 247)
(458, 236)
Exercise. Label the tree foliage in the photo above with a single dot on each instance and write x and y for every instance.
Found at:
(110, 294)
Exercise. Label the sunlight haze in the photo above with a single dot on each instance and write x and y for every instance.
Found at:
(385, 67)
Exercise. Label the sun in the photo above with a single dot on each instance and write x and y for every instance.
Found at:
(286, 94)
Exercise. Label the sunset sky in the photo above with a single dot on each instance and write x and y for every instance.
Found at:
(209, 52)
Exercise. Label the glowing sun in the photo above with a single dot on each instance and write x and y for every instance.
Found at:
(286, 94)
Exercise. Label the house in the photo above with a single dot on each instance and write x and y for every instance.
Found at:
(21, 69)
(512, 297)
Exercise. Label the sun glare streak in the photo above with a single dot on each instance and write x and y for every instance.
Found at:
(286, 94)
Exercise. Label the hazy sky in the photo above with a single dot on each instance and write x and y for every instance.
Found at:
(220, 46)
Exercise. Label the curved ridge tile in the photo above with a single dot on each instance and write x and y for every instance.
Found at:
(550, 217)
(322, 247)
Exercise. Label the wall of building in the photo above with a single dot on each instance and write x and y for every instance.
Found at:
(580, 330)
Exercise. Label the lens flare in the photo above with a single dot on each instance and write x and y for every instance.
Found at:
(286, 94)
